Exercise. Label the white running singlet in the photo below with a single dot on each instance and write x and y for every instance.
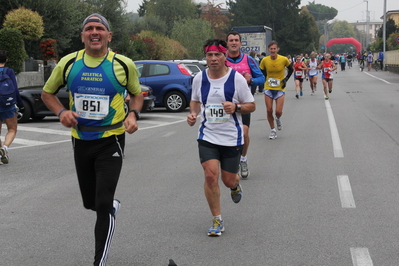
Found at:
(216, 126)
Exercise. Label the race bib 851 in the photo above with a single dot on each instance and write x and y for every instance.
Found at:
(91, 106)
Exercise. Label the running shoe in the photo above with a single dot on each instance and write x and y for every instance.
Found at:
(301, 93)
(117, 206)
(312, 92)
(236, 194)
(4, 155)
(330, 90)
(297, 96)
(326, 97)
(217, 228)
(273, 135)
(243, 171)
(279, 124)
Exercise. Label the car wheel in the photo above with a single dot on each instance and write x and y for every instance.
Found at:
(27, 114)
(175, 101)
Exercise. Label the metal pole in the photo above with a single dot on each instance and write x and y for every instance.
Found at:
(384, 33)
(325, 37)
(368, 25)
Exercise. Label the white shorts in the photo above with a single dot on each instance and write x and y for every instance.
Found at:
(274, 94)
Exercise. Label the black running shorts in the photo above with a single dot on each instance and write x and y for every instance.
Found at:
(229, 157)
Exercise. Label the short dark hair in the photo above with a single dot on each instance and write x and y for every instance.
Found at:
(3, 56)
(272, 43)
(216, 42)
(233, 33)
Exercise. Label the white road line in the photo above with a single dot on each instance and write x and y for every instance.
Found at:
(66, 132)
(162, 125)
(383, 80)
(158, 115)
(338, 153)
(361, 257)
(32, 143)
(345, 192)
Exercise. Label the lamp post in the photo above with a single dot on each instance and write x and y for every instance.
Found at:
(367, 23)
(384, 32)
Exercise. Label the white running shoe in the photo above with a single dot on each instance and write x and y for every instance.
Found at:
(273, 135)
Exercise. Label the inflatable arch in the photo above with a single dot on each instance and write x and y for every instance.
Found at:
(353, 41)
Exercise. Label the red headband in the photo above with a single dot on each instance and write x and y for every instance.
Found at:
(217, 48)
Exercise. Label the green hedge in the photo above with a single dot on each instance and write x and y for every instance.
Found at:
(12, 42)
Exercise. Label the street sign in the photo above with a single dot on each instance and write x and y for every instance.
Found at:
(397, 39)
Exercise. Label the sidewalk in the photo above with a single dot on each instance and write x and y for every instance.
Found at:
(389, 77)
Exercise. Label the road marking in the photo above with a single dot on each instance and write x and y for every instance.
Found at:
(338, 153)
(66, 132)
(158, 115)
(361, 257)
(162, 125)
(345, 192)
(33, 143)
(383, 80)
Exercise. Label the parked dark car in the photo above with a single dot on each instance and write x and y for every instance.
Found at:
(37, 110)
(170, 81)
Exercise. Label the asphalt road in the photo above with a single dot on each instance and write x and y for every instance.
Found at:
(325, 192)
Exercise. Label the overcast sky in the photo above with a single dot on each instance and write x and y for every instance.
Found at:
(349, 10)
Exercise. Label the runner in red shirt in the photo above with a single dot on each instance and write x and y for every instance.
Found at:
(327, 68)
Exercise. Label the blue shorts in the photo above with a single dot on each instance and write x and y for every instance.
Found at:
(274, 94)
(8, 112)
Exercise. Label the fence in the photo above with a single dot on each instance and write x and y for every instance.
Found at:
(391, 61)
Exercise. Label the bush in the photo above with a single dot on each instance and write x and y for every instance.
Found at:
(48, 47)
(11, 41)
(28, 22)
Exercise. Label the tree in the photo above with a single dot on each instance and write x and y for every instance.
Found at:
(390, 28)
(321, 12)
(308, 24)
(392, 44)
(342, 29)
(192, 33)
(165, 48)
(282, 16)
(220, 23)
(171, 11)
(148, 23)
(11, 41)
(28, 22)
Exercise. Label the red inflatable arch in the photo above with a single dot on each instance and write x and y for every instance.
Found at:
(353, 41)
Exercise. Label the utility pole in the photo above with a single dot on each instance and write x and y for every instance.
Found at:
(384, 33)
(367, 23)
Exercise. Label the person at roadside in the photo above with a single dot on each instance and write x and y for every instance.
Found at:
(273, 68)
(249, 69)
(220, 95)
(342, 61)
(299, 75)
(370, 60)
(327, 67)
(381, 59)
(8, 113)
(312, 64)
(97, 80)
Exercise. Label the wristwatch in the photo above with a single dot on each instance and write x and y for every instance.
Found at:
(136, 112)
(238, 107)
